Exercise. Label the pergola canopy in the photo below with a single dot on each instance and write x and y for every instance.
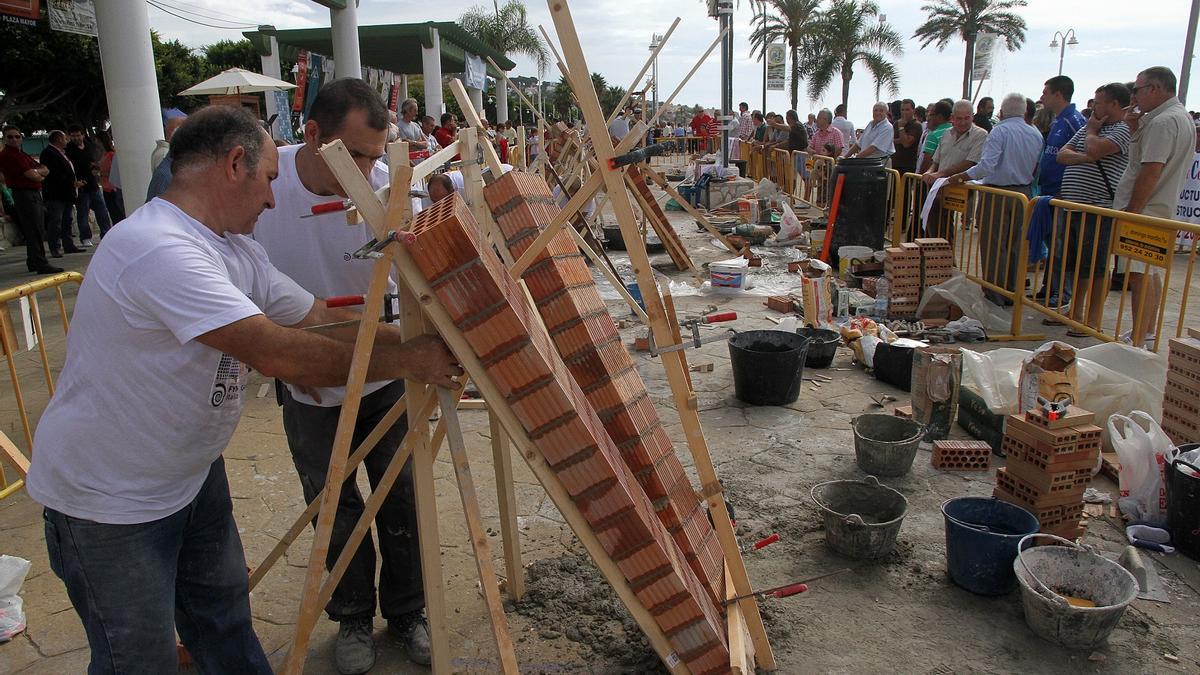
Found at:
(394, 47)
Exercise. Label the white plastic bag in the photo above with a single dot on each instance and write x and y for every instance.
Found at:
(789, 224)
(12, 614)
(1144, 451)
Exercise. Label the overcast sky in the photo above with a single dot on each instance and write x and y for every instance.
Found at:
(1116, 40)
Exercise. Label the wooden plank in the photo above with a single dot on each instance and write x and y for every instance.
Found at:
(666, 105)
(700, 217)
(343, 437)
(522, 162)
(365, 200)
(675, 365)
(507, 499)
(435, 161)
(678, 255)
(673, 320)
(473, 192)
(545, 475)
(649, 62)
(473, 119)
(477, 535)
(14, 456)
(741, 649)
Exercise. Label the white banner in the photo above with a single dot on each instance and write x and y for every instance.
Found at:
(475, 75)
(985, 46)
(776, 66)
(1188, 209)
(72, 16)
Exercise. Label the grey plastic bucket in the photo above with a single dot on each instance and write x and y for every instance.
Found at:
(1047, 573)
(885, 445)
(862, 517)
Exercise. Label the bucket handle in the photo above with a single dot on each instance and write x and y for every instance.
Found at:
(962, 523)
(854, 520)
(1187, 464)
(1042, 589)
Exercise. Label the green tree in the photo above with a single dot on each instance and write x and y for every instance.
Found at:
(846, 34)
(610, 97)
(228, 54)
(51, 79)
(506, 29)
(789, 23)
(178, 67)
(561, 100)
(966, 19)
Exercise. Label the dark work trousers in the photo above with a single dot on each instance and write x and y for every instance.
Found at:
(310, 431)
(31, 214)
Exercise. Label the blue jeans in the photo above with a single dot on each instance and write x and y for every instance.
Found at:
(133, 586)
(58, 225)
(91, 199)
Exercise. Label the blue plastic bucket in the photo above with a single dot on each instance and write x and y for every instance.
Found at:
(982, 534)
(635, 292)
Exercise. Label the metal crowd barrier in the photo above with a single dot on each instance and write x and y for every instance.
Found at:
(783, 169)
(1078, 273)
(10, 344)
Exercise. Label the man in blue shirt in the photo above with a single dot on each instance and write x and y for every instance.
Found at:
(1010, 156)
(1056, 97)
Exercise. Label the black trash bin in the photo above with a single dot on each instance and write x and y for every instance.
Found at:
(862, 210)
(1183, 504)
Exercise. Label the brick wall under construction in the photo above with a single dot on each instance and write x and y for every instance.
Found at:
(578, 321)
(488, 307)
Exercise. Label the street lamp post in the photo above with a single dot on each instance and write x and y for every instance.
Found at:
(655, 41)
(1068, 40)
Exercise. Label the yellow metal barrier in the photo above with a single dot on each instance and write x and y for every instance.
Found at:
(812, 185)
(783, 169)
(1083, 241)
(9, 344)
(892, 212)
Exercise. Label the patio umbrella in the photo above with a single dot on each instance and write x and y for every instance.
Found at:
(236, 81)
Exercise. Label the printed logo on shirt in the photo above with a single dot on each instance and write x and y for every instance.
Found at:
(229, 382)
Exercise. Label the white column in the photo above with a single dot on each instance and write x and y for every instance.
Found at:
(477, 101)
(127, 62)
(270, 68)
(431, 69)
(501, 100)
(344, 23)
(403, 87)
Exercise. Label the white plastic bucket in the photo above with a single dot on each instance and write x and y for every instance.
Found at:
(729, 273)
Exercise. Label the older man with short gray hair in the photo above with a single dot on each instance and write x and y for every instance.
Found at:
(878, 139)
(1009, 158)
(410, 128)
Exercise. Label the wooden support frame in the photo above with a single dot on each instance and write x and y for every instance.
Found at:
(661, 181)
(674, 362)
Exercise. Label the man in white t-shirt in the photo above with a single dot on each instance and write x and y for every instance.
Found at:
(619, 128)
(315, 252)
(177, 307)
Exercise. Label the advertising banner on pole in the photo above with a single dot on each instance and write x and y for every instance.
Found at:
(776, 66)
(72, 16)
(21, 12)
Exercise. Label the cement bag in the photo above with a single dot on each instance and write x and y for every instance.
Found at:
(12, 613)
(1145, 453)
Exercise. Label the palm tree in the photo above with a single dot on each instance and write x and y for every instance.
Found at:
(789, 23)
(844, 35)
(967, 19)
(507, 30)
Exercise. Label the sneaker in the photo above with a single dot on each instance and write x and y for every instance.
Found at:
(412, 630)
(87, 242)
(354, 651)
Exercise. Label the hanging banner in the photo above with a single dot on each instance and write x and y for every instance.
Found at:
(283, 124)
(475, 73)
(301, 80)
(776, 66)
(1188, 209)
(316, 65)
(985, 46)
(72, 16)
(20, 12)
(394, 99)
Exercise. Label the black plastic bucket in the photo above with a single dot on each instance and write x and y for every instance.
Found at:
(1183, 505)
(768, 366)
(822, 346)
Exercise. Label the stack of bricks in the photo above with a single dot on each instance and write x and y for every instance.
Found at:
(581, 328)
(961, 455)
(1181, 397)
(1050, 464)
(902, 269)
(488, 307)
(937, 261)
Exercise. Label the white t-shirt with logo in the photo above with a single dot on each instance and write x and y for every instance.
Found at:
(316, 251)
(142, 408)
